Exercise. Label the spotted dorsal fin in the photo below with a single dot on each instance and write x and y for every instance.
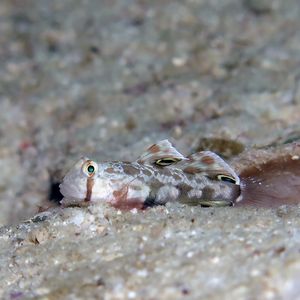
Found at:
(209, 164)
(161, 154)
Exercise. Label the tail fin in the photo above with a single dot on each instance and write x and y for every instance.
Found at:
(274, 183)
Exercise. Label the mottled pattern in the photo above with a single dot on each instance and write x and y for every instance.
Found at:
(128, 185)
(162, 149)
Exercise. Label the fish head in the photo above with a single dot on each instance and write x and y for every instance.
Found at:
(78, 185)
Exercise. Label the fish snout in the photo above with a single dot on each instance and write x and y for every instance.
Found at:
(73, 188)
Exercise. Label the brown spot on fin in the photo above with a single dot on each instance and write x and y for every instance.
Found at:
(207, 163)
(271, 184)
(160, 150)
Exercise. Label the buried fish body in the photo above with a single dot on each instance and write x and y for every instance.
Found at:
(160, 175)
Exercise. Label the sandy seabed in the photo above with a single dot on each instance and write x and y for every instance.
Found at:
(107, 79)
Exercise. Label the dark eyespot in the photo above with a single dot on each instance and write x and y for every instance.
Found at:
(166, 161)
(226, 178)
(91, 169)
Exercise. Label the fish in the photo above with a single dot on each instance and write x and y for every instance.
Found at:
(160, 175)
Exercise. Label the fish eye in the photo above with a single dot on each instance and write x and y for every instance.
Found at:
(226, 178)
(166, 161)
(89, 168)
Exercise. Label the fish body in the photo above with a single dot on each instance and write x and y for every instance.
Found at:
(160, 175)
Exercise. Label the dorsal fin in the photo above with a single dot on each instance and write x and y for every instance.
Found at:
(209, 164)
(159, 151)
